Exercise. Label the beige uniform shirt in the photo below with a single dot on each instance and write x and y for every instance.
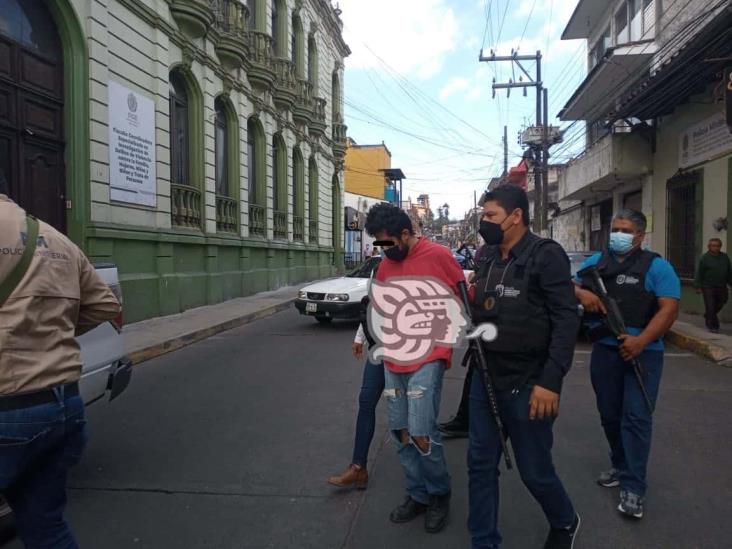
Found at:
(60, 296)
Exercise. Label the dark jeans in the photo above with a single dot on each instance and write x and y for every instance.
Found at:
(463, 411)
(714, 300)
(37, 447)
(371, 388)
(531, 442)
(623, 411)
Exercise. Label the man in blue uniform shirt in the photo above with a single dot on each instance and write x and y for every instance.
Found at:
(647, 290)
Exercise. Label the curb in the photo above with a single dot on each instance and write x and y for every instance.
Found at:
(178, 342)
(701, 347)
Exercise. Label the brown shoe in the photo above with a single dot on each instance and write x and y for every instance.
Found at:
(355, 476)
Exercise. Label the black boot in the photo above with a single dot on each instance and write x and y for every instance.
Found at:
(407, 511)
(455, 428)
(437, 513)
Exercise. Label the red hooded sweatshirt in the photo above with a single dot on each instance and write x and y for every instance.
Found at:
(425, 259)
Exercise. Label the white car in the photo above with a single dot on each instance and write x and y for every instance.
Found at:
(339, 297)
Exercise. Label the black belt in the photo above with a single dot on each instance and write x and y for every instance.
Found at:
(36, 398)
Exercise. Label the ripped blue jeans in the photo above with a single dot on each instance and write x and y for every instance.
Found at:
(414, 404)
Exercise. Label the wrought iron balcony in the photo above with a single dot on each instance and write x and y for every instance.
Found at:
(280, 225)
(194, 17)
(226, 214)
(185, 202)
(303, 111)
(313, 231)
(231, 24)
(285, 84)
(261, 71)
(257, 221)
(298, 228)
(318, 124)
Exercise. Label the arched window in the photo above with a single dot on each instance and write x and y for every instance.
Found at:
(226, 151)
(29, 23)
(257, 178)
(336, 99)
(279, 186)
(279, 28)
(298, 46)
(313, 198)
(313, 63)
(298, 195)
(179, 130)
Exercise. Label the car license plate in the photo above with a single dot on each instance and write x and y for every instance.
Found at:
(311, 307)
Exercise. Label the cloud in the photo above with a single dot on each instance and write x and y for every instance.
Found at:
(412, 36)
(456, 84)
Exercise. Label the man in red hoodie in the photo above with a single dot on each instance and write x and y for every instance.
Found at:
(413, 390)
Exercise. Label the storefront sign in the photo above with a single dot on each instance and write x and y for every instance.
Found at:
(131, 146)
(704, 141)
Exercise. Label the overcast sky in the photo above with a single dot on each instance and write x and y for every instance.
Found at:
(414, 82)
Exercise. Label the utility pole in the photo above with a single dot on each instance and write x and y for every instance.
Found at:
(475, 215)
(545, 166)
(516, 59)
(505, 150)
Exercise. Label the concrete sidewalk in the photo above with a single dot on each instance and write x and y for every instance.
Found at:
(690, 333)
(157, 336)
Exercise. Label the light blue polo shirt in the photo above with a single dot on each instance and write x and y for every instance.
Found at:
(661, 280)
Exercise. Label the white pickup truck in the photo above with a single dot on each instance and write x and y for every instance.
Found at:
(105, 371)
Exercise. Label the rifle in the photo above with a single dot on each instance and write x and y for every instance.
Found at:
(616, 323)
(485, 377)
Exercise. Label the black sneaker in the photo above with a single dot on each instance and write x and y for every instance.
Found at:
(455, 428)
(631, 505)
(609, 479)
(437, 513)
(563, 538)
(409, 510)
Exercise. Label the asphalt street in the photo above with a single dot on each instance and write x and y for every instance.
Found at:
(227, 444)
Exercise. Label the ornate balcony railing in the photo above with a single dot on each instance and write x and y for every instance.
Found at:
(285, 83)
(339, 139)
(298, 228)
(318, 124)
(185, 202)
(313, 231)
(230, 21)
(261, 71)
(226, 214)
(194, 17)
(303, 111)
(257, 220)
(280, 224)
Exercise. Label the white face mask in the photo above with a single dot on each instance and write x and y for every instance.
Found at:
(621, 243)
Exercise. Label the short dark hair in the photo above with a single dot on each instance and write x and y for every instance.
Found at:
(715, 239)
(634, 216)
(387, 218)
(510, 198)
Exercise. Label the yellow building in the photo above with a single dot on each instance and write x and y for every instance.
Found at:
(363, 169)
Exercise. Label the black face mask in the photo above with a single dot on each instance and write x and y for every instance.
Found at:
(397, 253)
(492, 233)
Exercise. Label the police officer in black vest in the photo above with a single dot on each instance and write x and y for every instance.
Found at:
(647, 291)
(524, 288)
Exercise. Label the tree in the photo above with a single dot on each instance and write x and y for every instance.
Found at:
(446, 210)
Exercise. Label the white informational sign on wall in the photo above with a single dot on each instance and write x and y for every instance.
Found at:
(131, 146)
(704, 141)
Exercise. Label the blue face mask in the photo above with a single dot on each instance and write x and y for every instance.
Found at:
(621, 243)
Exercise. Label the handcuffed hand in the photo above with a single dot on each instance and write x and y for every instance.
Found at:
(543, 403)
(357, 349)
(591, 302)
(631, 346)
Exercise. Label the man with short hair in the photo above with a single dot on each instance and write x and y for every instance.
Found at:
(647, 291)
(413, 390)
(524, 288)
(712, 277)
(46, 299)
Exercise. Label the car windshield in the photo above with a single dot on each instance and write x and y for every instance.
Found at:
(364, 270)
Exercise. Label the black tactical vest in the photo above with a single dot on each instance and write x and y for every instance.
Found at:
(521, 319)
(626, 283)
